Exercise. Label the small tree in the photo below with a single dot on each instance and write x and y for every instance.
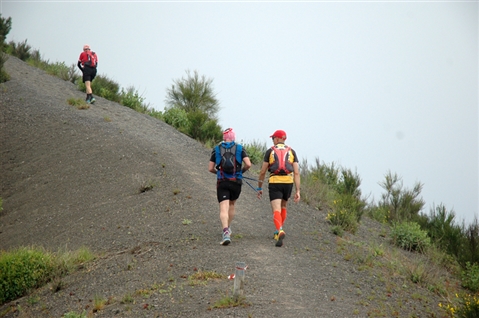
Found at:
(5, 27)
(442, 229)
(193, 96)
(402, 204)
(20, 50)
(193, 93)
(203, 128)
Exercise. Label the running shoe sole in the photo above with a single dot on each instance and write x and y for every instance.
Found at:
(281, 236)
(225, 242)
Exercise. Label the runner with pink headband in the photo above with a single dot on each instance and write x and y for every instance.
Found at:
(228, 161)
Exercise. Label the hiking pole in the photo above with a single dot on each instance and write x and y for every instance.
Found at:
(251, 179)
(254, 189)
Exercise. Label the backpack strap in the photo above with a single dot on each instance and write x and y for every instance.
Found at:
(218, 155)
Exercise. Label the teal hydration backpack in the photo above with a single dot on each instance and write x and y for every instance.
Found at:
(227, 162)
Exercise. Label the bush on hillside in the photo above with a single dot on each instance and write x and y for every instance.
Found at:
(61, 70)
(177, 118)
(470, 277)
(3, 75)
(409, 236)
(203, 128)
(25, 268)
(400, 204)
(335, 189)
(131, 98)
(255, 151)
(22, 270)
(20, 50)
(5, 27)
(471, 252)
(442, 229)
(194, 94)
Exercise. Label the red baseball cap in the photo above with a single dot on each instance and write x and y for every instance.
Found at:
(279, 134)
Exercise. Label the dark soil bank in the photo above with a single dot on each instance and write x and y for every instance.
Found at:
(71, 178)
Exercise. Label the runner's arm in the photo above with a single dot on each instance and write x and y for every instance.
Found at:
(211, 167)
(246, 164)
(297, 181)
(262, 175)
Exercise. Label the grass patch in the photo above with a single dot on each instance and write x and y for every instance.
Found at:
(78, 103)
(26, 268)
(128, 299)
(99, 303)
(201, 277)
(72, 314)
(228, 302)
(145, 184)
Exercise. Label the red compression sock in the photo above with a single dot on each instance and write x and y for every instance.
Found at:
(278, 220)
(284, 213)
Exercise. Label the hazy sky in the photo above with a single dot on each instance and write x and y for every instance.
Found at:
(372, 86)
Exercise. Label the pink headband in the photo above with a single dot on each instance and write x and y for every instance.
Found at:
(229, 134)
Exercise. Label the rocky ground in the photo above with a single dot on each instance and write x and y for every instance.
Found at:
(71, 178)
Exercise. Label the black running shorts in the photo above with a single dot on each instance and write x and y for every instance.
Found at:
(89, 73)
(280, 191)
(228, 190)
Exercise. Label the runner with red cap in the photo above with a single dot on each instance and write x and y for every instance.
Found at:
(283, 165)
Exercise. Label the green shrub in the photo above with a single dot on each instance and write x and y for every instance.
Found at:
(443, 231)
(255, 151)
(177, 118)
(409, 236)
(156, 114)
(61, 70)
(22, 270)
(196, 120)
(132, 99)
(470, 277)
(25, 268)
(331, 187)
(3, 75)
(20, 50)
(314, 191)
(327, 174)
(38, 64)
(469, 307)
(210, 132)
(470, 248)
(378, 213)
(344, 213)
(5, 27)
(403, 204)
